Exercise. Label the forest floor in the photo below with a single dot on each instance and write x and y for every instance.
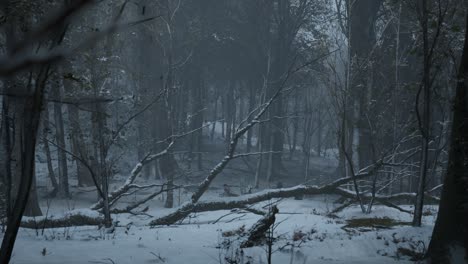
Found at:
(304, 232)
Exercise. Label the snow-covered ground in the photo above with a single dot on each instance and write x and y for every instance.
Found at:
(199, 239)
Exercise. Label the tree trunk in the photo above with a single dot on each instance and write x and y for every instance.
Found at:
(79, 146)
(77, 141)
(449, 242)
(6, 148)
(215, 117)
(295, 125)
(196, 90)
(258, 232)
(319, 133)
(265, 195)
(63, 190)
(251, 108)
(362, 18)
(99, 134)
(19, 156)
(228, 106)
(50, 166)
(425, 121)
(103, 169)
(167, 164)
(259, 167)
(271, 167)
(28, 124)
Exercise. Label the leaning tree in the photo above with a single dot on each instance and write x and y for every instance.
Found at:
(449, 243)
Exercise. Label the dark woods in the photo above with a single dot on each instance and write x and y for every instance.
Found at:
(363, 99)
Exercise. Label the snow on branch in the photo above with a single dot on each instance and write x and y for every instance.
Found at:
(129, 183)
(81, 217)
(243, 201)
(240, 131)
(133, 175)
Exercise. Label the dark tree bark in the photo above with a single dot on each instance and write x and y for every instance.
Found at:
(282, 45)
(196, 90)
(6, 148)
(251, 108)
(319, 133)
(229, 110)
(29, 125)
(100, 143)
(19, 157)
(449, 242)
(79, 146)
(167, 164)
(215, 117)
(257, 233)
(424, 119)
(77, 140)
(63, 190)
(50, 166)
(362, 19)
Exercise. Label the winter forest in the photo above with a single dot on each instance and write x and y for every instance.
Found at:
(234, 131)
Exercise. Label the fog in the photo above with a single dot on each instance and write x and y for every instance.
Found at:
(233, 131)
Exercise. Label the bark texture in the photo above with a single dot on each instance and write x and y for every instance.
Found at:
(449, 242)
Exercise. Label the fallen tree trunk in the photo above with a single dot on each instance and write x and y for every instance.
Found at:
(380, 199)
(71, 219)
(242, 201)
(82, 219)
(390, 198)
(136, 204)
(257, 233)
(191, 206)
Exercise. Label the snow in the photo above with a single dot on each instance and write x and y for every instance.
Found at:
(83, 212)
(197, 239)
